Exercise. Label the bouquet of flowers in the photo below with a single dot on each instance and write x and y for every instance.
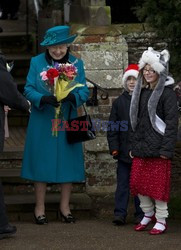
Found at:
(60, 82)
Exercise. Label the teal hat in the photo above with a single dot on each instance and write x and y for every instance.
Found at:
(57, 35)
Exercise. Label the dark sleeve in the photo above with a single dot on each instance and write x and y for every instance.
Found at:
(113, 135)
(9, 94)
(171, 120)
(130, 139)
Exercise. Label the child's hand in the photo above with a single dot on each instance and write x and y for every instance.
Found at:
(115, 153)
(163, 157)
(6, 109)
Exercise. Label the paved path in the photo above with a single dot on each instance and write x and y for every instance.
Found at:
(90, 235)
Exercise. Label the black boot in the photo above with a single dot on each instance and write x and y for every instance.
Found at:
(7, 231)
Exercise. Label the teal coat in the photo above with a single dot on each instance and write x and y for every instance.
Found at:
(48, 158)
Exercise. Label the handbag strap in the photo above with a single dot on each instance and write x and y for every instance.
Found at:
(70, 110)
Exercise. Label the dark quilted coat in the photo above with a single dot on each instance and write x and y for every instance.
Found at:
(9, 95)
(145, 141)
(118, 140)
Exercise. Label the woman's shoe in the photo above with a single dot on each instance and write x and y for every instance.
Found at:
(141, 227)
(41, 220)
(155, 231)
(68, 218)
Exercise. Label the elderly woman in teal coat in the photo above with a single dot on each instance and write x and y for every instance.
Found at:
(47, 158)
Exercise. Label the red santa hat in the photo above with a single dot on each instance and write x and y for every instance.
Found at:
(131, 70)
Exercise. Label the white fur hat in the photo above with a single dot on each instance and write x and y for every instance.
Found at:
(157, 60)
(131, 70)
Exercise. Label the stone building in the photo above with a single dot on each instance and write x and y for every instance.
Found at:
(106, 50)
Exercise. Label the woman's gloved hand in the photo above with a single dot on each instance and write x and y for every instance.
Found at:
(69, 98)
(51, 100)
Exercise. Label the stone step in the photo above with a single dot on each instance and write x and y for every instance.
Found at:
(17, 185)
(20, 207)
(10, 169)
(16, 42)
(14, 26)
(78, 200)
(14, 184)
(11, 158)
(21, 64)
(8, 172)
(20, 81)
(19, 57)
(7, 156)
(16, 118)
(10, 34)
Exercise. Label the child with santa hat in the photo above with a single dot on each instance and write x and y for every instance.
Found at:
(118, 140)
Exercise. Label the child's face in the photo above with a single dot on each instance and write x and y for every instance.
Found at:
(131, 82)
(149, 74)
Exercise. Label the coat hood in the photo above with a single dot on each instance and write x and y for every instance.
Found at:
(163, 82)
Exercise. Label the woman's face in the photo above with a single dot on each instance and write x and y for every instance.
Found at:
(57, 52)
(149, 74)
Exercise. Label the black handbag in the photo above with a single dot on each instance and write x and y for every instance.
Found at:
(80, 129)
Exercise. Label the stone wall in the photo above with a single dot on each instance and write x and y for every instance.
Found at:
(106, 52)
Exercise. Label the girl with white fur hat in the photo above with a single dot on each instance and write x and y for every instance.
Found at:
(154, 121)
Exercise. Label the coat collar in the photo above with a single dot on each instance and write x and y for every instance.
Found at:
(127, 95)
(67, 58)
(51, 61)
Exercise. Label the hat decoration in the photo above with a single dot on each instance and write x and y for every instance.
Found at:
(157, 60)
(58, 35)
(131, 70)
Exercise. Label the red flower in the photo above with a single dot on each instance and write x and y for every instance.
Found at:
(51, 74)
(70, 75)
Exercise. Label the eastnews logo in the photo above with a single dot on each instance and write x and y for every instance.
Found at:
(98, 125)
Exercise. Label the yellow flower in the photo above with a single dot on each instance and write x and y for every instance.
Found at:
(61, 90)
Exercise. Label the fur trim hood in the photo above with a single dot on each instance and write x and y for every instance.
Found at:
(156, 122)
(159, 62)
